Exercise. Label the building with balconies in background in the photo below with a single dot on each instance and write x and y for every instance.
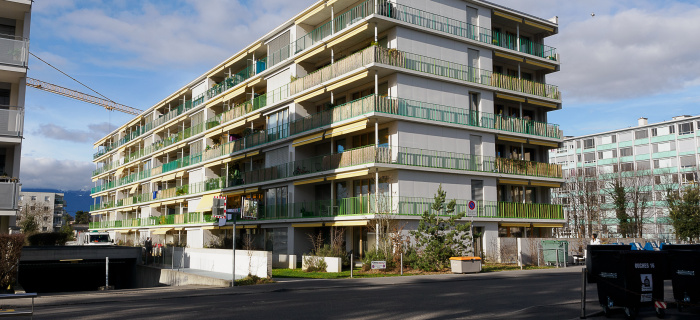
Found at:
(347, 111)
(651, 158)
(15, 17)
(47, 208)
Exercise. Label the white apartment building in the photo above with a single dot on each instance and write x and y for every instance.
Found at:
(665, 154)
(15, 17)
(46, 207)
(348, 110)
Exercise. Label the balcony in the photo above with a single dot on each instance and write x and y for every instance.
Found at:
(14, 51)
(423, 64)
(361, 205)
(11, 119)
(9, 195)
(465, 30)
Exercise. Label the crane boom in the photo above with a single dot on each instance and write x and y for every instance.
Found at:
(107, 104)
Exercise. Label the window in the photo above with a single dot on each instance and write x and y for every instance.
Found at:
(589, 157)
(625, 152)
(608, 139)
(590, 172)
(642, 149)
(368, 139)
(276, 201)
(33, 197)
(643, 165)
(688, 161)
(46, 208)
(688, 177)
(641, 134)
(625, 136)
(607, 154)
(589, 143)
(275, 122)
(628, 166)
(685, 128)
(686, 145)
(664, 163)
(664, 146)
(32, 208)
(578, 144)
(477, 190)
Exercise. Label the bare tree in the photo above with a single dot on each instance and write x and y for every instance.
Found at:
(581, 192)
(35, 216)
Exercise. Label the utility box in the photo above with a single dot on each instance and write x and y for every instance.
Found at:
(555, 252)
(465, 264)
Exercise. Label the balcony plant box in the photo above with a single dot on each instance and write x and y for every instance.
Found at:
(465, 264)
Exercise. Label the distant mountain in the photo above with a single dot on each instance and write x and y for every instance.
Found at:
(76, 200)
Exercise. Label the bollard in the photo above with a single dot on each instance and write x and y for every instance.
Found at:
(583, 293)
(106, 273)
(557, 253)
(352, 264)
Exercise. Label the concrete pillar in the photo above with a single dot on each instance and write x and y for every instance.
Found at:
(290, 240)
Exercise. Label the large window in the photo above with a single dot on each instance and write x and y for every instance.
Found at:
(368, 139)
(276, 202)
(589, 143)
(664, 146)
(685, 128)
(641, 134)
(625, 152)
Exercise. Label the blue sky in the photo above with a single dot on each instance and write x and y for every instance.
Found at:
(633, 58)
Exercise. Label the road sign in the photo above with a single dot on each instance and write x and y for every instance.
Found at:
(378, 265)
(471, 205)
(219, 208)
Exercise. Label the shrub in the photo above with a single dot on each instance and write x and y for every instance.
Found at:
(48, 239)
(378, 255)
(10, 252)
(315, 264)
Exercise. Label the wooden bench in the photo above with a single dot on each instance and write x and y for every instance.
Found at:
(11, 313)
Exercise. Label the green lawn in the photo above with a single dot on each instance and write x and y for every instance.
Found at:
(298, 273)
(358, 273)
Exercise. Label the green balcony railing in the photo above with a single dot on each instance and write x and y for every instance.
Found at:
(463, 29)
(360, 205)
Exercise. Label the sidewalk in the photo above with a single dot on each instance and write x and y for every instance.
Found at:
(282, 285)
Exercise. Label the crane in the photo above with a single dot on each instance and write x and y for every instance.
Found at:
(107, 104)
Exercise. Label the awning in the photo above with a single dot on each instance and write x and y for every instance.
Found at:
(205, 203)
(154, 205)
(169, 202)
(508, 56)
(509, 97)
(544, 143)
(304, 225)
(349, 35)
(548, 225)
(308, 139)
(180, 174)
(350, 80)
(546, 184)
(133, 189)
(347, 223)
(168, 177)
(310, 95)
(517, 224)
(209, 227)
(298, 183)
(213, 133)
(234, 193)
(511, 139)
(513, 181)
(123, 231)
(233, 126)
(211, 164)
(348, 128)
(119, 172)
(351, 174)
(539, 64)
(161, 231)
(541, 103)
(251, 190)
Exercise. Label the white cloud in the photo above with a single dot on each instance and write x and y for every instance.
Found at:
(181, 35)
(94, 132)
(55, 174)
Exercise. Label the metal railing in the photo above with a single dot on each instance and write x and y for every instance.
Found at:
(14, 51)
(11, 121)
(465, 30)
(360, 205)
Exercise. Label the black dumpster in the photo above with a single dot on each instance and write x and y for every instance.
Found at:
(684, 272)
(591, 249)
(629, 279)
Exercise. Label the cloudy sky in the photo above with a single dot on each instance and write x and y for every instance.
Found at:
(633, 58)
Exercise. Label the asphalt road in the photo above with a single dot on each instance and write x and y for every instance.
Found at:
(534, 294)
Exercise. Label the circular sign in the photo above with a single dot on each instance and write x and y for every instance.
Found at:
(472, 205)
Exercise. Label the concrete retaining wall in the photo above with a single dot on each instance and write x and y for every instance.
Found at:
(148, 277)
(332, 264)
(284, 261)
(258, 263)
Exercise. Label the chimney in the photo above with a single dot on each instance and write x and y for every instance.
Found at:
(642, 121)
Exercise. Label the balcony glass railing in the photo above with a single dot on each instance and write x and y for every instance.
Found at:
(12, 117)
(9, 194)
(415, 62)
(465, 30)
(361, 205)
(234, 80)
(14, 51)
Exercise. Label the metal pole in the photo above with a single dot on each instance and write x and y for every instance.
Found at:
(583, 293)
(172, 258)
(352, 264)
(401, 263)
(233, 272)
(557, 252)
(106, 273)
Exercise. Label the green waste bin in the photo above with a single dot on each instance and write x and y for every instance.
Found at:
(552, 248)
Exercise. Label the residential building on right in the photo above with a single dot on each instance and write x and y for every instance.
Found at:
(646, 161)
